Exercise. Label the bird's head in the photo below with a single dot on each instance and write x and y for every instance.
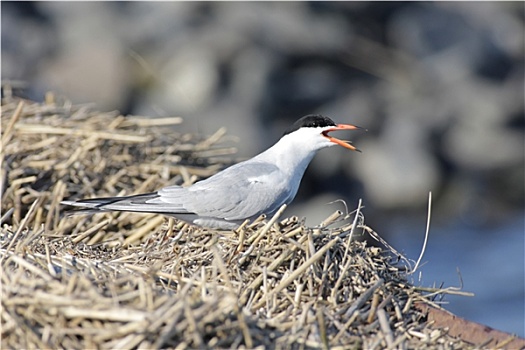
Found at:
(313, 131)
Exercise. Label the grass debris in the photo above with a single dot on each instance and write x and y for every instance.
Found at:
(124, 280)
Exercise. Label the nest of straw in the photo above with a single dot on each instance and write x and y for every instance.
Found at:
(123, 280)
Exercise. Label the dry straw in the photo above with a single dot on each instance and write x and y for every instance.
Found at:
(122, 280)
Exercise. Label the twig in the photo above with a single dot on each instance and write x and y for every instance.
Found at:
(8, 134)
(26, 219)
(426, 234)
(304, 266)
(45, 129)
(92, 230)
(385, 326)
(354, 223)
(364, 297)
(257, 237)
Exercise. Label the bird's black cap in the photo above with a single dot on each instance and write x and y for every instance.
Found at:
(310, 121)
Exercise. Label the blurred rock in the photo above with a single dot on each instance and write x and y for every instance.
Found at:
(189, 81)
(397, 170)
(93, 72)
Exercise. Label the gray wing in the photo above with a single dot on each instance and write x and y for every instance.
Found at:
(242, 191)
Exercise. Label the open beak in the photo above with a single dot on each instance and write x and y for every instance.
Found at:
(343, 143)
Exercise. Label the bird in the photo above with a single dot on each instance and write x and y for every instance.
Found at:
(246, 190)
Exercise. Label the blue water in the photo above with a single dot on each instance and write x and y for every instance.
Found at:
(491, 263)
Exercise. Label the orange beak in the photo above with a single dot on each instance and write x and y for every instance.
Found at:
(343, 143)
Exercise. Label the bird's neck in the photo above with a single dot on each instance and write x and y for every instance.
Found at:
(291, 157)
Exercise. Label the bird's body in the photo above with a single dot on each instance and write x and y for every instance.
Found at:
(260, 185)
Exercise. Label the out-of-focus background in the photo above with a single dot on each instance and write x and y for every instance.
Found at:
(439, 86)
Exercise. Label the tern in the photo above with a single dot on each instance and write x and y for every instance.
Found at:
(246, 190)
